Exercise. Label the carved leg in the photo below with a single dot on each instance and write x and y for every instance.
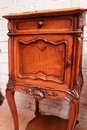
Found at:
(37, 107)
(12, 105)
(74, 108)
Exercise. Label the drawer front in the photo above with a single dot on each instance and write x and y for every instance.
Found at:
(44, 60)
(46, 24)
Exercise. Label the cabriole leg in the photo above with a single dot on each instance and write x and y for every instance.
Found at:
(12, 105)
(74, 108)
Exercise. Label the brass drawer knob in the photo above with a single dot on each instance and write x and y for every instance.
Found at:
(40, 24)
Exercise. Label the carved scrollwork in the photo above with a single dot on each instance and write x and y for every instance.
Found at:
(39, 93)
(10, 84)
(36, 92)
(75, 94)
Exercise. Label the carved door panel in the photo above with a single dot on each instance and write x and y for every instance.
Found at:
(43, 60)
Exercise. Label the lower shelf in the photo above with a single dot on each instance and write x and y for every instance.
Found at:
(47, 122)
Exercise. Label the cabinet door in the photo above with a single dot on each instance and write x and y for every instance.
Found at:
(43, 60)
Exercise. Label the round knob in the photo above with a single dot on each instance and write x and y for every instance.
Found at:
(40, 24)
(68, 63)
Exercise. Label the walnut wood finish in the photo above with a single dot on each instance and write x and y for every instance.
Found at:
(45, 59)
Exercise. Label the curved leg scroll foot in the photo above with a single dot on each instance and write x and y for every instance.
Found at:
(73, 114)
(12, 105)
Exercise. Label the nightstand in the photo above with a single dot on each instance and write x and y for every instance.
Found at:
(45, 61)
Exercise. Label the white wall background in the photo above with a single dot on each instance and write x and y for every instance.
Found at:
(23, 101)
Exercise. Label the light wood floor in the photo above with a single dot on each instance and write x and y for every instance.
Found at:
(6, 122)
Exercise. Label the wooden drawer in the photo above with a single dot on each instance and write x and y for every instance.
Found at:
(43, 24)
